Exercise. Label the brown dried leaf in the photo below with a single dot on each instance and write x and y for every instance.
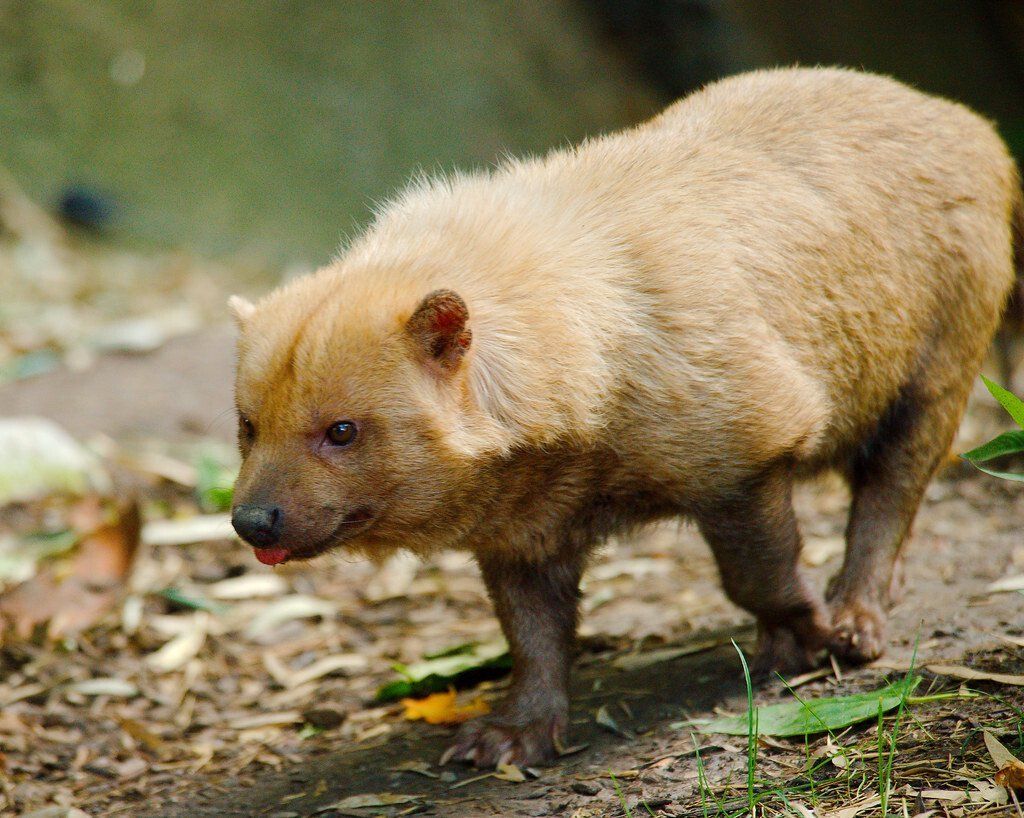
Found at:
(105, 556)
(73, 604)
(1009, 768)
(510, 772)
(145, 737)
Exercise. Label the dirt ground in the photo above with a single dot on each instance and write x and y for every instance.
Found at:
(228, 732)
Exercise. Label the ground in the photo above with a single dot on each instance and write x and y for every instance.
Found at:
(224, 727)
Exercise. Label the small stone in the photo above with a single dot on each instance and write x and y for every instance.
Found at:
(585, 787)
(326, 718)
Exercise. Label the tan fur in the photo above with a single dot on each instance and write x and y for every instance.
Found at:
(759, 281)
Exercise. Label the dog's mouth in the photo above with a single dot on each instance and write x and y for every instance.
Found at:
(354, 523)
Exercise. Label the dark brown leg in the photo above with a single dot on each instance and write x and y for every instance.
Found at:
(754, 537)
(888, 479)
(537, 606)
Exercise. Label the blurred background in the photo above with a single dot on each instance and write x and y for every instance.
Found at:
(158, 156)
(271, 128)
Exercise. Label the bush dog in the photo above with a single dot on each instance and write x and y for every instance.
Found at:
(787, 271)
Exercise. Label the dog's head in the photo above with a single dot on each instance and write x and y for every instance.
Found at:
(351, 402)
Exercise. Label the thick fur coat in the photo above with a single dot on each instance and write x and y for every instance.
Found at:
(787, 271)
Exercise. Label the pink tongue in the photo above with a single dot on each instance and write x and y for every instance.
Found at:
(271, 556)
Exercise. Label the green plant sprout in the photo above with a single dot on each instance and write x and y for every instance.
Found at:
(1007, 442)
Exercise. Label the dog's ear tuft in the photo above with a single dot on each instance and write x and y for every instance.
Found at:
(241, 309)
(439, 329)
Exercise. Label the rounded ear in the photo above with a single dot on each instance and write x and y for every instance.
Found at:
(241, 309)
(439, 330)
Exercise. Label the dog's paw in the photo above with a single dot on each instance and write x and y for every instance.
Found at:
(489, 741)
(858, 631)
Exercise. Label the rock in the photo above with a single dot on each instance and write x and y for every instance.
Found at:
(585, 787)
(326, 718)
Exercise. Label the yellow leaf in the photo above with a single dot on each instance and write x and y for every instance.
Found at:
(441, 708)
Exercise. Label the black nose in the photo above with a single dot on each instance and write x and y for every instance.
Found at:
(258, 525)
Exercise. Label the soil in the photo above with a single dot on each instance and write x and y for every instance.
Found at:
(655, 590)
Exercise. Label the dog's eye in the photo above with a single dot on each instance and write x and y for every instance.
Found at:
(341, 433)
(246, 428)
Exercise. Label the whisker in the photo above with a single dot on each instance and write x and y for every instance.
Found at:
(217, 419)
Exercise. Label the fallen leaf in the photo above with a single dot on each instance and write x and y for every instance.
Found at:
(809, 716)
(984, 793)
(510, 772)
(294, 606)
(21, 693)
(854, 809)
(1006, 584)
(145, 333)
(201, 528)
(381, 799)
(418, 767)
(163, 466)
(56, 812)
(373, 732)
(439, 671)
(283, 719)
(72, 601)
(248, 586)
(638, 661)
(215, 480)
(39, 459)
(105, 687)
(182, 648)
(344, 663)
(105, 556)
(441, 708)
(604, 717)
(952, 796)
(144, 736)
(196, 603)
(962, 672)
(1009, 768)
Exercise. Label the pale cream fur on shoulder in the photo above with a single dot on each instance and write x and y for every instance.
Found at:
(755, 270)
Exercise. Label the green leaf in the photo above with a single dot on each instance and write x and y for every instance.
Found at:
(1006, 443)
(1010, 402)
(18, 561)
(811, 716)
(1005, 475)
(445, 669)
(177, 597)
(214, 482)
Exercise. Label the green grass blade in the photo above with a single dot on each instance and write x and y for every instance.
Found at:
(752, 722)
(1010, 402)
